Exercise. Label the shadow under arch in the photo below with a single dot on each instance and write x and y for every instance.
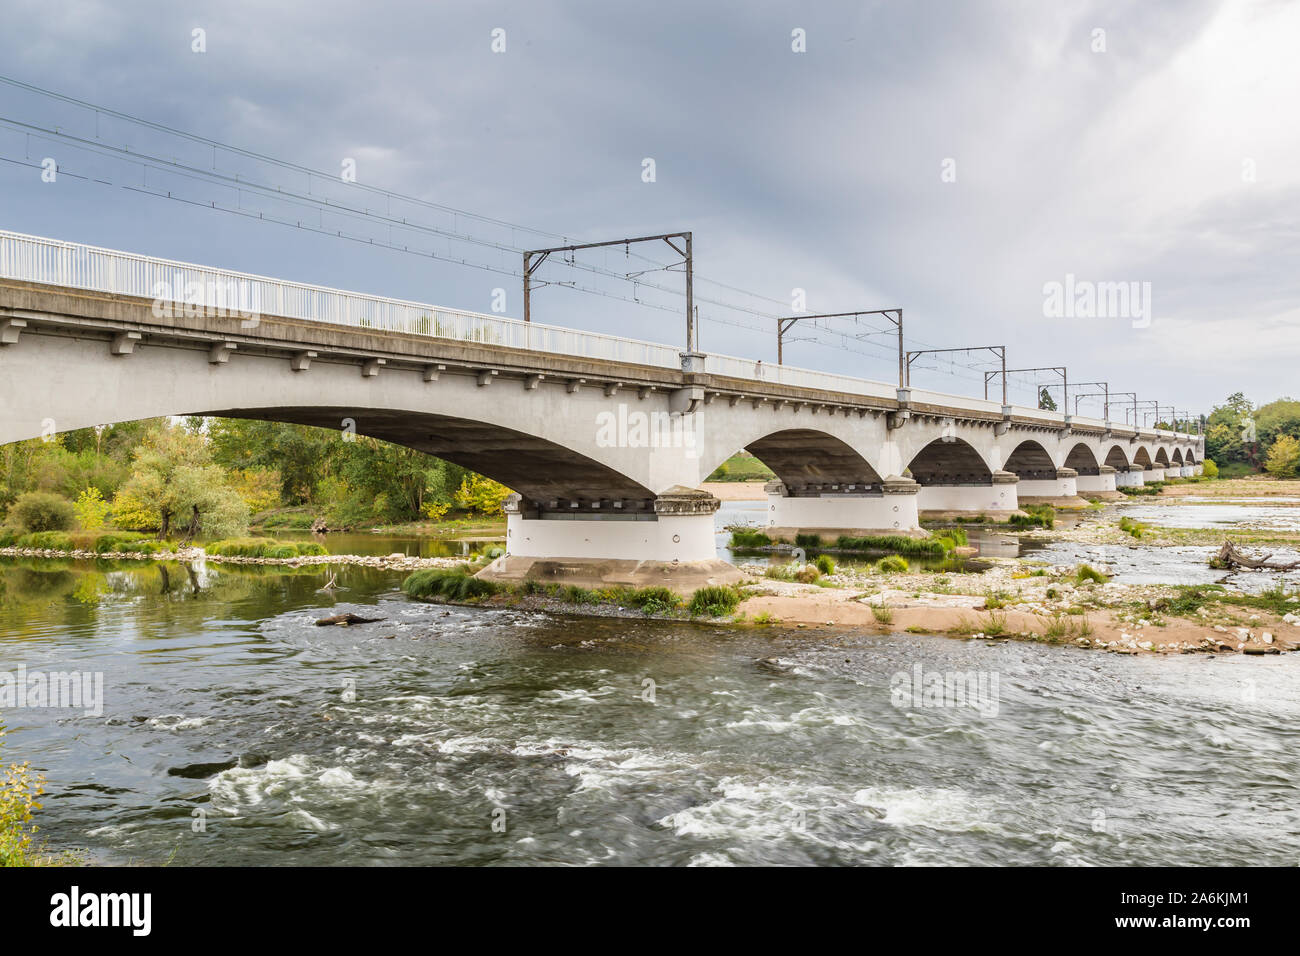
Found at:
(1178, 456)
(1083, 460)
(1031, 461)
(1142, 457)
(954, 462)
(1162, 459)
(1116, 458)
(807, 459)
(538, 469)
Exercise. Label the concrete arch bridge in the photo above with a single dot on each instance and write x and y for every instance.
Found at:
(606, 440)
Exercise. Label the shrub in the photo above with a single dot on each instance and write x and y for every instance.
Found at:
(41, 511)
(996, 625)
(1035, 516)
(1209, 469)
(1129, 526)
(893, 564)
(19, 790)
(8, 537)
(806, 541)
(882, 614)
(653, 600)
(1088, 573)
(807, 574)
(957, 536)
(825, 564)
(48, 540)
(745, 538)
(450, 584)
(574, 594)
(714, 601)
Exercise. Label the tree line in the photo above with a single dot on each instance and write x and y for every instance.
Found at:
(212, 477)
(1242, 438)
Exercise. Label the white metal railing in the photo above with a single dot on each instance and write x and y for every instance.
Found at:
(181, 284)
(184, 284)
(789, 375)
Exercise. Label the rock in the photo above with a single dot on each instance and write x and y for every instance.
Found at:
(1266, 637)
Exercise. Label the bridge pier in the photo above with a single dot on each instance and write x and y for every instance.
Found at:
(997, 496)
(1101, 485)
(1130, 477)
(885, 507)
(1198, 469)
(1061, 491)
(1153, 474)
(668, 541)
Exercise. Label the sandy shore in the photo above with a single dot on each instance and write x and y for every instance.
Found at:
(1048, 608)
(736, 490)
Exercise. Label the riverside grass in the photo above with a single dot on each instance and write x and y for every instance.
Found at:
(460, 585)
(264, 548)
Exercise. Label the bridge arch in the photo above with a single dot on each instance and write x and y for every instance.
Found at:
(1142, 457)
(949, 461)
(1178, 456)
(1083, 459)
(807, 460)
(541, 470)
(1030, 460)
(1116, 458)
(1162, 458)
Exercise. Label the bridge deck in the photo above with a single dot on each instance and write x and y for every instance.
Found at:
(66, 265)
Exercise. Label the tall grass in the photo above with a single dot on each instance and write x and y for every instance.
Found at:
(714, 601)
(745, 538)
(894, 543)
(264, 548)
(450, 584)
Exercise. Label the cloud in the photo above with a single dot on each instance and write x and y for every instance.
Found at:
(817, 170)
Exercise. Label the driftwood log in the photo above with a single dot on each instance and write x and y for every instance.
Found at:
(1229, 557)
(345, 619)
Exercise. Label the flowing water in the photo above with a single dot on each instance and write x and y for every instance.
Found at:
(235, 731)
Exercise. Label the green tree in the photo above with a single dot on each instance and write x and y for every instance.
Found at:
(1284, 457)
(303, 455)
(398, 480)
(173, 475)
(483, 495)
(1045, 400)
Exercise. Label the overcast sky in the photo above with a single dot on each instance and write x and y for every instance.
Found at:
(951, 158)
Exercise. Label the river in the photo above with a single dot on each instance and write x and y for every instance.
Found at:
(235, 731)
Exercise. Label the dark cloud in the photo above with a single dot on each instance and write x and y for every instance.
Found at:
(818, 170)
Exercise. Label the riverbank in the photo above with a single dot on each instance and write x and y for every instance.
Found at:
(1053, 605)
(1006, 598)
(392, 562)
